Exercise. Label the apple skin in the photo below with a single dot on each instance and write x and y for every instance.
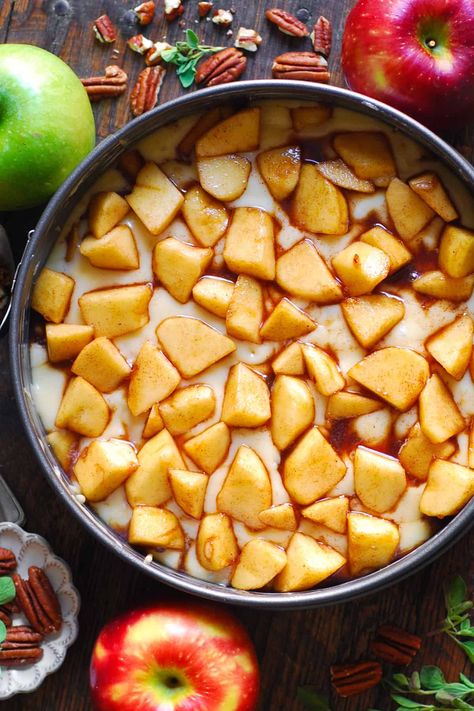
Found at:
(174, 657)
(387, 55)
(46, 124)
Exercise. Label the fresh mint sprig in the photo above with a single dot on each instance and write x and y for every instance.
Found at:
(457, 623)
(185, 55)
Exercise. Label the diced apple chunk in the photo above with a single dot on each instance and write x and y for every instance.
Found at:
(394, 248)
(417, 452)
(289, 361)
(470, 446)
(440, 286)
(302, 272)
(105, 211)
(258, 564)
(292, 410)
(371, 317)
(114, 312)
(361, 267)
(83, 409)
(204, 122)
(154, 199)
(153, 379)
(343, 405)
(205, 216)
(397, 375)
(178, 266)
(189, 490)
(323, 369)
(154, 422)
(246, 490)
(304, 117)
(101, 364)
(214, 294)
(319, 206)
(379, 479)
(191, 345)
(154, 527)
(451, 346)
(450, 486)
(249, 245)
(246, 399)
(224, 177)
(430, 188)
(280, 169)
(65, 340)
(341, 175)
(188, 407)
(372, 542)
(115, 250)
(209, 448)
(456, 252)
(312, 469)
(103, 466)
(408, 211)
(149, 484)
(308, 563)
(52, 293)
(331, 513)
(216, 545)
(440, 417)
(281, 516)
(285, 322)
(245, 312)
(63, 444)
(239, 133)
(368, 154)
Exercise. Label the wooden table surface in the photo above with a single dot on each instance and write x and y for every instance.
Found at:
(293, 648)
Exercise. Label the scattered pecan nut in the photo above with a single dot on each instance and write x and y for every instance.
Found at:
(222, 17)
(204, 8)
(394, 645)
(38, 601)
(247, 39)
(7, 561)
(139, 44)
(352, 679)
(305, 66)
(153, 56)
(173, 9)
(321, 37)
(223, 67)
(113, 83)
(286, 22)
(145, 92)
(21, 646)
(104, 30)
(145, 12)
(5, 617)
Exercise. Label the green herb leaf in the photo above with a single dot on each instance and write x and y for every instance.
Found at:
(192, 39)
(7, 590)
(405, 703)
(311, 699)
(468, 648)
(432, 678)
(3, 632)
(185, 55)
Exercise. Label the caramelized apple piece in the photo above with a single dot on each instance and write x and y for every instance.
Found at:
(153, 378)
(323, 369)
(372, 542)
(65, 340)
(440, 417)
(368, 154)
(292, 410)
(103, 466)
(289, 361)
(249, 245)
(105, 211)
(216, 545)
(154, 527)
(379, 479)
(361, 267)
(213, 294)
(205, 216)
(280, 516)
(285, 322)
(154, 422)
(371, 317)
(408, 211)
(394, 248)
(258, 564)
(450, 486)
(456, 252)
(189, 490)
(239, 133)
(246, 399)
(308, 563)
(451, 346)
(304, 117)
(417, 452)
(154, 198)
(102, 365)
(341, 175)
(115, 250)
(178, 266)
(302, 272)
(430, 188)
(224, 177)
(280, 169)
(331, 513)
(245, 312)
(63, 444)
(52, 293)
(318, 205)
(83, 409)
(440, 286)
(114, 312)
(209, 448)
(343, 405)
(187, 407)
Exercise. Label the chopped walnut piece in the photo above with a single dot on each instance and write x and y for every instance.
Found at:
(248, 39)
(222, 17)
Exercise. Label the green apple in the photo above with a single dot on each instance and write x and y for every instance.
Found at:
(46, 124)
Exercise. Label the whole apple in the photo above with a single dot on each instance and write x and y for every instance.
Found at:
(174, 657)
(417, 55)
(46, 124)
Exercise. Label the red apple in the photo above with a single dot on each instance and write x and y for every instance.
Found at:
(174, 657)
(417, 55)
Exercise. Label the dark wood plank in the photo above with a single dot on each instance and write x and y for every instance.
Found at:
(293, 648)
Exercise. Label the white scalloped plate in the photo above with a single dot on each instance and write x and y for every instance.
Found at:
(31, 549)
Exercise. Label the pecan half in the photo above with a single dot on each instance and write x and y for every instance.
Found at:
(248, 39)
(38, 601)
(104, 30)
(113, 83)
(145, 12)
(7, 561)
(352, 679)
(145, 92)
(20, 646)
(5, 617)
(222, 67)
(305, 66)
(321, 37)
(204, 8)
(394, 645)
(173, 9)
(286, 22)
